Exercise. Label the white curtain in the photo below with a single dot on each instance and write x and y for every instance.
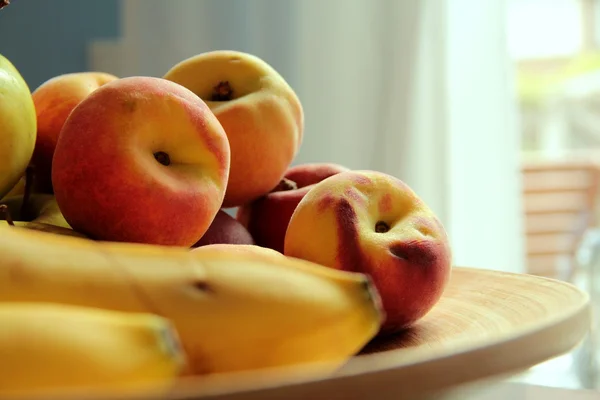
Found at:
(420, 89)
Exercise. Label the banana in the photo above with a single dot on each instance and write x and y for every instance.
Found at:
(55, 347)
(18, 126)
(232, 312)
(46, 213)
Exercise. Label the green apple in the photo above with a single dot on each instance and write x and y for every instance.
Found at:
(18, 126)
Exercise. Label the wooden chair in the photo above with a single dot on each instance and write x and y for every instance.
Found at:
(560, 199)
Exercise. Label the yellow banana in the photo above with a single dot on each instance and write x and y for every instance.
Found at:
(18, 126)
(46, 214)
(54, 347)
(231, 313)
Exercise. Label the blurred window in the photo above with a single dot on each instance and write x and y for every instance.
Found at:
(545, 28)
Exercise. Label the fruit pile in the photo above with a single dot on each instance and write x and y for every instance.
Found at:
(121, 266)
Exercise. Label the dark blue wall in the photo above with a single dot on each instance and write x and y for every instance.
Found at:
(45, 38)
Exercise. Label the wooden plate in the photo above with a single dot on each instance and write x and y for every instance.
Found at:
(487, 324)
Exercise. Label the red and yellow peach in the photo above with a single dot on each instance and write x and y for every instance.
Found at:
(261, 114)
(141, 159)
(371, 222)
(54, 100)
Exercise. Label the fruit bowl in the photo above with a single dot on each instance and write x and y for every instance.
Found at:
(121, 270)
(487, 325)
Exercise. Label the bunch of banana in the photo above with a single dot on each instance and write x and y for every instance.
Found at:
(232, 312)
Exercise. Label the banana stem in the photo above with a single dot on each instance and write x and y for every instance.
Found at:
(6, 213)
(25, 206)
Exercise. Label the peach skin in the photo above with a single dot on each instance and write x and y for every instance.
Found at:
(260, 112)
(141, 159)
(248, 251)
(54, 100)
(371, 222)
(267, 217)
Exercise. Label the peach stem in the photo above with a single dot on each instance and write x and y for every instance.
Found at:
(7, 217)
(285, 184)
(222, 92)
(162, 158)
(381, 227)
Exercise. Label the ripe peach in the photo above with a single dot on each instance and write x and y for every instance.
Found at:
(249, 251)
(261, 114)
(54, 100)
(225, 229)
(267, 217)
(371, 222)
(141, 159)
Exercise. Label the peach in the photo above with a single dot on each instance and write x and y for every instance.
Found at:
(267, 217)
(54, 100)
(141, 159)
(262, 116)
(249, 251)
(225, 229)
(371, 222)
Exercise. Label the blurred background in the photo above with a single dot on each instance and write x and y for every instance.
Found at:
(490, 109)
